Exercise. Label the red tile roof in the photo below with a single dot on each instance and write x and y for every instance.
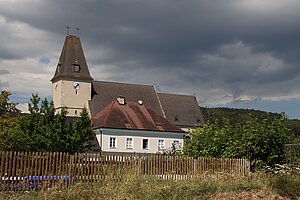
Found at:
(132, 116)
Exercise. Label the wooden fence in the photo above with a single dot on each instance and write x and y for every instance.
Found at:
(35, 170)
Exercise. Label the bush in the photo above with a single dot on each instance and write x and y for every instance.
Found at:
(261, 141)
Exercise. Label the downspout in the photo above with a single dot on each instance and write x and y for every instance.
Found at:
(101, 135)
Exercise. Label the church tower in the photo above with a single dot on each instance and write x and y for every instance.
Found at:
(72, 82)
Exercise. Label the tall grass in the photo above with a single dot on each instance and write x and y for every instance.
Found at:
(134, 187)
(286, 185)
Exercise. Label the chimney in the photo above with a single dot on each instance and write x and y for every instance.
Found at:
(121, 100)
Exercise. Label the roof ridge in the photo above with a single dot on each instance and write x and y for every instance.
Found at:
(110, 111)
(191, 95)
(114, 82)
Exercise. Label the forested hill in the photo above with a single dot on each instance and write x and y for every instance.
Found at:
(235, 115)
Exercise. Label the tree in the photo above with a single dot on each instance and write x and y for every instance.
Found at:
(235, 115)
(6, 106)
(37, 125)
(42, 129)
(11, 138)
(262, 142)
(49, 131)
(81, 133)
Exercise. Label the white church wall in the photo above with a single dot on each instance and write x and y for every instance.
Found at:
(66, 95)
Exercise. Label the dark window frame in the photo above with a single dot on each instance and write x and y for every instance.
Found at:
(145, 144)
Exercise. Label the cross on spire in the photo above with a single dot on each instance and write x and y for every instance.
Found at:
(77, 29)
(68, 27)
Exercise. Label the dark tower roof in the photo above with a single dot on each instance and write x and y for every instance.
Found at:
(72, 63)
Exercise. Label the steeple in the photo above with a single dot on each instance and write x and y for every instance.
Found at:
(72, 82)
(72, 63)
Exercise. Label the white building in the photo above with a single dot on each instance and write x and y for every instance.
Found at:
(131, 127)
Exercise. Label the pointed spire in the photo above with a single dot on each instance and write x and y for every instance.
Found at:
(72, 63)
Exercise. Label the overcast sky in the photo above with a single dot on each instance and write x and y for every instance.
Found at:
(233, 53)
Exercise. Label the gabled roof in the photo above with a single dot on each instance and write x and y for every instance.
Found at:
(72, 55)
(132, 115)
(105, 92)
(182, 110)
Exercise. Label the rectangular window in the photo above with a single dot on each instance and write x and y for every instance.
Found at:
(145, 144)
(161, 144)
(129, 143)
(112, 142)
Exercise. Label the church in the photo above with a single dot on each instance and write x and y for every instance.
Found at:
(126, 117)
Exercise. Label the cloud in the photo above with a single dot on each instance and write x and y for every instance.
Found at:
(224, 52)
(23, 107)
(3, 85)
(231, 73)
(241, 72)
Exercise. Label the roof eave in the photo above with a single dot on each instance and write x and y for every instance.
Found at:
(174, 131)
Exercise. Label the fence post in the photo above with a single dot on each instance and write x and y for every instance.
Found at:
(71, 163)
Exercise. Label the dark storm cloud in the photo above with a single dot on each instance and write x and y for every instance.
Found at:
(211, 48)
(3, 71)
(7, 55)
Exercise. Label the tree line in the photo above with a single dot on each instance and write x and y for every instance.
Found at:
(237, 115)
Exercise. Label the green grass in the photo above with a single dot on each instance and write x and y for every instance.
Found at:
(133, 187)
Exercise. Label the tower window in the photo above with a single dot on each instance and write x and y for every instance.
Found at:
(76, 68)
(75, 112)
